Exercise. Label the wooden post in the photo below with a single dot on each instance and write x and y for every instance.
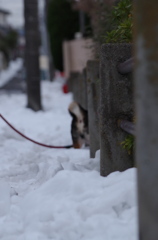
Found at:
(146, 93)
(32, 54)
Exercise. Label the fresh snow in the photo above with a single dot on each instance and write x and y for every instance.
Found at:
(57, 194)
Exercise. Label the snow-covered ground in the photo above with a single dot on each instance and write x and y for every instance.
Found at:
(13, 68)
(57, 194)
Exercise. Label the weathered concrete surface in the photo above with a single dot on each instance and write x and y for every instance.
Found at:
(93, 89)
(77, 84)
(74, 85)
(146, 94)
(83, 89)
(76, 88)
(70, 81)
(116, 102)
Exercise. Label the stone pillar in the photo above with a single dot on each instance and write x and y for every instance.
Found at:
(77, 87)
(71, 81)
(93, 89)
(83, 89)
(116, 102)
(77, 84)
(74, 85)
(146, 94)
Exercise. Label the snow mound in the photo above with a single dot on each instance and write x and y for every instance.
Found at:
(58, 193)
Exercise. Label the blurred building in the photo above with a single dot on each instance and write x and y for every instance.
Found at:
(3, 20)
(21, 43)
(76, 53)
(44, 56)
(4, 28)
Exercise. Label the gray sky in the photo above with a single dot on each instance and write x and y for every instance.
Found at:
(16, 18)
(16, 9)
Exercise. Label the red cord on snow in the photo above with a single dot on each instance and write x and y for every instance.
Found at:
(41, 144)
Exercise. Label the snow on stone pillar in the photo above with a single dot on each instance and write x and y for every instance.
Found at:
(146, 93)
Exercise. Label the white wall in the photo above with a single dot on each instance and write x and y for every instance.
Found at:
(76, 53)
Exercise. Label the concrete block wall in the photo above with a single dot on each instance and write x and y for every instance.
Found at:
(108, 96)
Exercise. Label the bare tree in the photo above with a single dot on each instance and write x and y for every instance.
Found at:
(32, 54)
(51, 62)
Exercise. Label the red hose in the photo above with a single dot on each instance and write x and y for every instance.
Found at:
(41, 144)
